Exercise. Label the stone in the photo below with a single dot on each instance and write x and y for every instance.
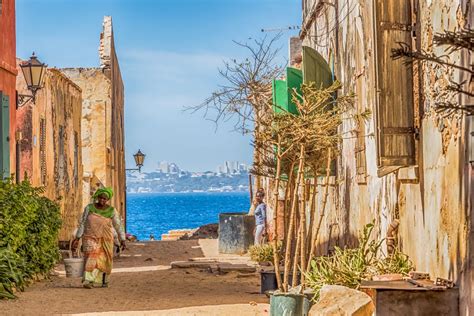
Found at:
(336, 300)
(228, 267)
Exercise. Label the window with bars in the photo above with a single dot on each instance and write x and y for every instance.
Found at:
(42, 148)
(76, 159)
(360, 153)
(61, 156)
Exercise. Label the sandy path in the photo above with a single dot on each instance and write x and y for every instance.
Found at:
(140, 291)
(209, 310)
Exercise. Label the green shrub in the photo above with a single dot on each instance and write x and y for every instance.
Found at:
(262, 253)
(29, 227)
(348, 267)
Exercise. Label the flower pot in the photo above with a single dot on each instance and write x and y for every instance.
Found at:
(289, 304)
(268, 281)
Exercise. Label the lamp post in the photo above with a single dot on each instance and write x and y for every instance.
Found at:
(33, 71)
(139, 160)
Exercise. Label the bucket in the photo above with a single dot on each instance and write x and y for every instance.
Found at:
(74, 266)
(268, 281)
(289, 304)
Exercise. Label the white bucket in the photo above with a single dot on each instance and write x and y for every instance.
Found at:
(74, 267)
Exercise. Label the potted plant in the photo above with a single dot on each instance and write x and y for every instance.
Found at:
(302, 146)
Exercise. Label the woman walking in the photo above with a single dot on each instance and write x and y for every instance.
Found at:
(96, 230)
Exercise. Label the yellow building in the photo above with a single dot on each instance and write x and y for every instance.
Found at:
(102, 121)
(49, 138)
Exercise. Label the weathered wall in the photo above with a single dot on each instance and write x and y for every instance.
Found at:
(102, 121)
(8, 69)
(429, 199)
(55, 162)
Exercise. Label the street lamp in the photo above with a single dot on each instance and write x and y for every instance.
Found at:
(33, 71)
(139, 159)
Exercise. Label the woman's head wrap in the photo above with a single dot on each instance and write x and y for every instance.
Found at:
(106, 191)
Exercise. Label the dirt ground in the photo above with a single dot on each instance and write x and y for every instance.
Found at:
(140, 291)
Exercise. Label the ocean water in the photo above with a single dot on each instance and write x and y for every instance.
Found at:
(158, 213)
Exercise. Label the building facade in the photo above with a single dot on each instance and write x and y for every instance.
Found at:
(102, 122)
(8, 73)
(50, 144)
(407, 163)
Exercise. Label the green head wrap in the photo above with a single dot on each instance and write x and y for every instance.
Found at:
(107, 191)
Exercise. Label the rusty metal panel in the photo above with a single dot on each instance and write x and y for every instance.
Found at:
(395, 111)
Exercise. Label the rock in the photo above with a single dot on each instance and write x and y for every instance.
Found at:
(336, 300)
(209, 231)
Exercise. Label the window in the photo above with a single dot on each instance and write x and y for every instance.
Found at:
(361, 97)
(61, 155)
(4, 135)
(395, 110)
(76, 159)
(42, 148)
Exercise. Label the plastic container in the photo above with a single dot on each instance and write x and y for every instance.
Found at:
(74, 267)
(235, 232)
(268, 281)
(289, 305)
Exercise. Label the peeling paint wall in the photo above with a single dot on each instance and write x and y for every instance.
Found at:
(431, 198)
(59, 105)
(102, 121)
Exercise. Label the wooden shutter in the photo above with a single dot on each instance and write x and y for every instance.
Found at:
(5, 135)
(316, 69)
(394, 111)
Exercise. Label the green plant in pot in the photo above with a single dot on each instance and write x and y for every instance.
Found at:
(303, 144)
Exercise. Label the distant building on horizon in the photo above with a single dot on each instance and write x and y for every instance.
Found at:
(232, 167)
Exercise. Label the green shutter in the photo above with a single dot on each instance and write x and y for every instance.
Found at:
(283, 91)
(5, 136)
(294, 79)
(316, 69)
(280, 96)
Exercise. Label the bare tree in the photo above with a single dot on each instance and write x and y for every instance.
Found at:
(461, 40)
(247, 89)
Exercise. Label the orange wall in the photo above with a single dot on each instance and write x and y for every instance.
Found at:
(8, 70)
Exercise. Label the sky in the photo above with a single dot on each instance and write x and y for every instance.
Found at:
(169, 53)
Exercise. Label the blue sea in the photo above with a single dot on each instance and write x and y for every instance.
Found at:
(158, 213)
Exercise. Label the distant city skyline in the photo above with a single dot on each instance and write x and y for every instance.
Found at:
(227, 167)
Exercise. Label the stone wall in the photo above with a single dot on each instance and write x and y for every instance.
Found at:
(431, 198)
(102, 121)
(50, 148)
